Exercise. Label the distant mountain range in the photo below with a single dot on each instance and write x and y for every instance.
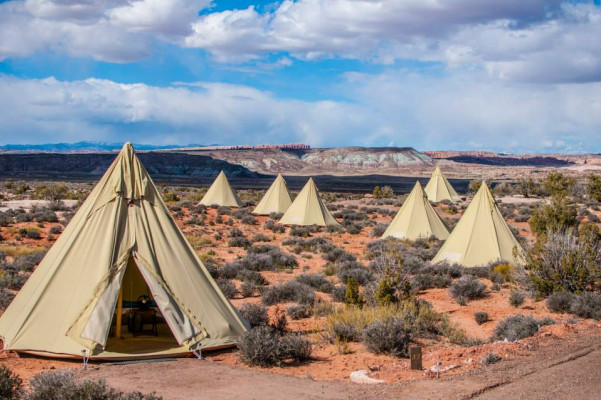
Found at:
(83, 147)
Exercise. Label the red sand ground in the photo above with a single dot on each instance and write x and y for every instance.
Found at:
(328, 364)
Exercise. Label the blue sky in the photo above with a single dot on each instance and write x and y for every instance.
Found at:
(500, 75)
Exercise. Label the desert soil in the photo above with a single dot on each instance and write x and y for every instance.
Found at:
(564, 358)
(547, 367)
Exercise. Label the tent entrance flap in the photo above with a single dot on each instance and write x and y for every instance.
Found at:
(180, 324)
(134, 281)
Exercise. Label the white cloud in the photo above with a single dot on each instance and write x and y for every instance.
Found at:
(456, 112)
(45, 110)
(522, 40)
(166, 17)
(109, 30)
(350, 27)
(462, 108)
(516, 40)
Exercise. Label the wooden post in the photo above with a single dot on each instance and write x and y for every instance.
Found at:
(415, 353)
(119, 313)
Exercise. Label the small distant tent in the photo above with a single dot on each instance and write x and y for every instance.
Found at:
(416, 219)
(481, 236)
(122, 245)
(439, 188)
(221, 194)
(308, 209)
(277, 199)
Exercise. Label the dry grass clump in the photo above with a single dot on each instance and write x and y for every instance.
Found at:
(419, 314)
(18, 251)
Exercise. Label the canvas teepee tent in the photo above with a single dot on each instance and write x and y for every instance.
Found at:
(481, 236)
(121, 244)
(439, 188)
(221, 194)
(277, 199)
(308, 209)
(416, 219)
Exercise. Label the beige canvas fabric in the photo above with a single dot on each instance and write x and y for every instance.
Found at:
(439, 188)
(68, 303)
(308, 209)
(416, 219)
(277, 199)
(221, 194)
(481, 236)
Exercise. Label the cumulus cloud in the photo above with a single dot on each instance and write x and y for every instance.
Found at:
(457, 112)
(41, 110)
(542, 41)
(523, 40)
(166, 17)
(348, 27)
(105, 30)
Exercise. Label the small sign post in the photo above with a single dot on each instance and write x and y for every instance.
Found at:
(415, 354)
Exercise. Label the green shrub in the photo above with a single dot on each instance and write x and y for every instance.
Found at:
(560, 302)
(467, 288)
(227, 288)
(248, 289)
(378, 230)
(261, 237)
(27, 262)
(6, 297)
(61, 385)
(518, 326)
(339, 293)
(249, 276)
(255, 314)
(429, 281)
(391, 337)
(262, 346)
(564, 261)
(352, 269)
(11, 385)
(346, 332)
(558, 184)
(299, 311)
(516, 298)
(289, 291)
(316, 281)
(352, 297)
(299, 231)
(481, 317)
(239, 242)
(558, 216)
(594, 187)
(33, 234)
(587, 305)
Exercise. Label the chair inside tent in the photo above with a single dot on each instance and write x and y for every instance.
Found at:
(138, 326)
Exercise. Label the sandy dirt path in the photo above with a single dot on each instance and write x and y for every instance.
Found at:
(568, 369)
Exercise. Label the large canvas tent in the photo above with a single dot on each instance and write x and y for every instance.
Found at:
(277, 199)
(439, 188)
(481, 236)
(416, 219)
(308, 209)
(120, 245)
(221, 194)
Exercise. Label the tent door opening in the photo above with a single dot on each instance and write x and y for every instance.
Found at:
(138, 325)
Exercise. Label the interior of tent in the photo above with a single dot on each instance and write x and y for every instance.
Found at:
(138, 326)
